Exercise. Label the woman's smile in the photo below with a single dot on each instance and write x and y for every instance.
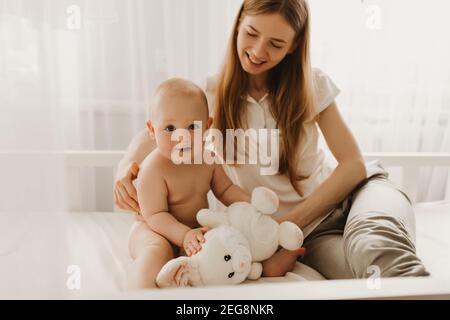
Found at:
(254, 62)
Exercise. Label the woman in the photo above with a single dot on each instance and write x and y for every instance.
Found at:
(355, 220)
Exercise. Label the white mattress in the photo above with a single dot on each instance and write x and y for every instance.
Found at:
(433, 237)
(33, 264)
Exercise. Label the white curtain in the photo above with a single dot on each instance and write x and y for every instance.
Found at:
(391, 60)
(79, 74)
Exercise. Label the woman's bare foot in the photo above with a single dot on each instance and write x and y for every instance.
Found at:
(281, 262)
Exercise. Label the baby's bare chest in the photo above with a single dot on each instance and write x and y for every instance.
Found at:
(188, 185)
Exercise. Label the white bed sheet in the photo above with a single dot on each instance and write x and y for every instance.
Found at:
(103, 254)
(97, 244)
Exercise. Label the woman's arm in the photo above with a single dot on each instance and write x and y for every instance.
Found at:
(125, 195)
(140, 147)
(349, 172)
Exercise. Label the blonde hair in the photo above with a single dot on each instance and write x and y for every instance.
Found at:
(179, 87)
(291, 90)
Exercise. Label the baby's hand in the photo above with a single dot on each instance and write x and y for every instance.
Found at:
(193, 239)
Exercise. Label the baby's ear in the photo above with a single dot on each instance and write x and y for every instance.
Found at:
(179, 272)
(151, 129)
(209, 123)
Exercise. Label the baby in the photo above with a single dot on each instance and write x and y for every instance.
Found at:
(170, 195)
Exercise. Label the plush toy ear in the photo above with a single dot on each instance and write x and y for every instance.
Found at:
(290, 236)
(211, 219)
(255, 271)
(179, 272)
(265, 200)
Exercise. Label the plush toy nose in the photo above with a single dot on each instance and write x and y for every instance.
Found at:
(241, 261)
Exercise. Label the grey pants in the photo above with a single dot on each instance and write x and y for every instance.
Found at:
(372, 230)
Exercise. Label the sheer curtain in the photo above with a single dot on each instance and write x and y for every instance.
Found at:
(390, 59)
(79, 74)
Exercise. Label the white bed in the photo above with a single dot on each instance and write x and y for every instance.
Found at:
(96, 244)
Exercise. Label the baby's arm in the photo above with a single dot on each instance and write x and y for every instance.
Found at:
(152, 194)
(224, 189)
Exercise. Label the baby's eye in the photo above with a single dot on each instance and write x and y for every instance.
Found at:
(251, 35)
(169, 128)
(193, 127)
(227, 257)
(231, 275)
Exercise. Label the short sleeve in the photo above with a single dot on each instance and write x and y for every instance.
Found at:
(326, 89)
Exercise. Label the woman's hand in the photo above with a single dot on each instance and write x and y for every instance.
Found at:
(193, 239)
(125, 195)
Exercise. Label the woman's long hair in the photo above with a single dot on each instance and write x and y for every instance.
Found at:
(290, 84)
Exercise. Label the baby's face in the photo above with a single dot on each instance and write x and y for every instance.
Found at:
(179, 112)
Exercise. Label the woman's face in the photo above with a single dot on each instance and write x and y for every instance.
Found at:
(263, 41)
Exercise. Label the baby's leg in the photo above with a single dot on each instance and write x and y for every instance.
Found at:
(150, 251)
(281, 262)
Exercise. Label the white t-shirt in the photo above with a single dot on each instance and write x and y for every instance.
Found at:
(313, 161)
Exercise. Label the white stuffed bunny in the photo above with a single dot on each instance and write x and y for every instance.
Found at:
(241, 237)
(225, 258)
(262, 232)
